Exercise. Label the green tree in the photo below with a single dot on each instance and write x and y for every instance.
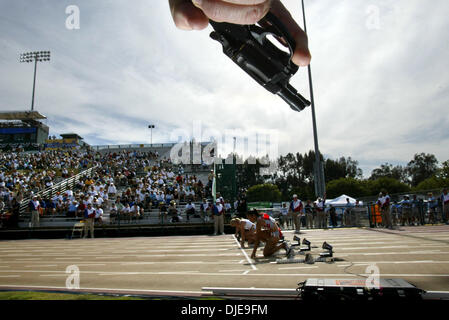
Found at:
(432, 183)
(389, 185)
(422, 166)
(264, 192)
(443, 172)
(341, 168)
(387, 170)
(349, 186)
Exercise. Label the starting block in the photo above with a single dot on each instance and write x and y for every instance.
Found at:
(326, 256)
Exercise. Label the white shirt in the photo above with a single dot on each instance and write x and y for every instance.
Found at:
(284, 211)
(98, 213)
(112, 189)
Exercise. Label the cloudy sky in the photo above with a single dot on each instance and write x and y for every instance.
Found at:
(380, 71)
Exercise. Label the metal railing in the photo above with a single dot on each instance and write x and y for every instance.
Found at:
(61, 187)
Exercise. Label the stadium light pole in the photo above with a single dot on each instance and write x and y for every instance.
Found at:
(36, 56)
(320, 187)
(151, 127)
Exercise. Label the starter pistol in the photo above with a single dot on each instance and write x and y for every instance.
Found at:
(249, 47)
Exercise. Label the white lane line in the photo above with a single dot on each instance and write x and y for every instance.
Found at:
(12, 276)
(244, 253)
(40, 265)
(233, 270)
(293, 268)
(196, 262)
(147, 273)
(387, 253)
(82, 256)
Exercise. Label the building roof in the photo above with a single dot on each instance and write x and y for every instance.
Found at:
(71, 135)
(21, 115)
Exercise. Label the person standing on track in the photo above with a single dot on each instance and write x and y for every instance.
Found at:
(296, 211)
(283, 216)
(218, 214)
(308, 208)
(89, 216)
(321, 212)
(384, 203)
(34, 208)
(268, 231)
(445, 201)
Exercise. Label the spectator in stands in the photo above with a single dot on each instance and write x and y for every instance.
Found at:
(113, 212)
(72, 208)
(135, 212)
(120, 207)
(163, 212)
(173, 212)
(205, 210)
(98, 214)
(189, 209)
(126, 212)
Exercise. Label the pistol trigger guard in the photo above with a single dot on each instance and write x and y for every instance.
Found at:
(277, 29)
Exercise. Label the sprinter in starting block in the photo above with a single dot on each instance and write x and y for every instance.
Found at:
(268, 231)
(245, 230)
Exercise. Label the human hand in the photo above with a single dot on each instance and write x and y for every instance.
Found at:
(195, 15)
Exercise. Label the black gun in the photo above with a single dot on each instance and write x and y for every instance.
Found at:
(249, 48)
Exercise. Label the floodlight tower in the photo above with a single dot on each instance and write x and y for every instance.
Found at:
(36, 56)
(151, 127)
(320, 184)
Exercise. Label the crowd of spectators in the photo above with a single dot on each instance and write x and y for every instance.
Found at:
(124, 184)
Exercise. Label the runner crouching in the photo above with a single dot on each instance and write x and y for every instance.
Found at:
(245, 230)
(268, 231)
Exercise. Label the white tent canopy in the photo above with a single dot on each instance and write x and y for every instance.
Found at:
(341, 201)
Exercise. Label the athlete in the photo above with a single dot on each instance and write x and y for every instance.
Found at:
(245, 230)
(268, 231)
